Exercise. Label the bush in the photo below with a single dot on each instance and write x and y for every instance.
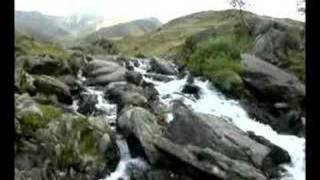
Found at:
(219, 60)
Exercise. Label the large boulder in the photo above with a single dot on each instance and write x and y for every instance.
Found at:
(162, 67)
(126, 94)
(271, 83)
(214, 147)
(134, 77)
(140, 126)
(199, 146)
(52, 144)
(282, 120)
(47, 65)
(275, 37)
(51, 86)
(101, 72)
(97, 64)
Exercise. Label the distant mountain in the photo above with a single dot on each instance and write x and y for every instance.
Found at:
(39, 26)
(52, 28)
(79, 25)
(132, 28)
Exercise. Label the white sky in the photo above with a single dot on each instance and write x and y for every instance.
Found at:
(164, 10)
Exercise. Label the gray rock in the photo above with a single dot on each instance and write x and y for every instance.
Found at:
(192, 89)
(212, 147)
(64, 143)
(134, 77)
(24, 82)
(96, 64)
(103, 72)
(46, 65)
(126, 94)
(274, 38)
(105, 143)
(87, 103)
(25, 104)
(50, 85)
(198, 145)
(270, 82)
(140, 124)
(162, 67)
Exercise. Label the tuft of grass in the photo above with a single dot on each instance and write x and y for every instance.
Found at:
(31, 122)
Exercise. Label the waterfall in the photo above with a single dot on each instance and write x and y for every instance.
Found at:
(213, 102)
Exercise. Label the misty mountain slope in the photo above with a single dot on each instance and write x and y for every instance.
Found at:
(133, 28)
(39, 26)
(54, 28)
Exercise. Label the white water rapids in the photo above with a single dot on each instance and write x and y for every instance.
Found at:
(213, 102)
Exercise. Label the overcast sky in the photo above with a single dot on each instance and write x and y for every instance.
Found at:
(164, 10)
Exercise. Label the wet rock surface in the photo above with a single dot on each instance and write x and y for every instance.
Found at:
(191, 146)
(272, 85)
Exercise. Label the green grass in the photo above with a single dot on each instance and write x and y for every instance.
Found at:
(218, 59)
(296, 64)
(171, 36)
(28, 46)
(31, 122)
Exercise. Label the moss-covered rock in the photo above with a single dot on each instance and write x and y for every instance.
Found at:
(57, 143)
(230, 83)
(24, 82)
(49, 85)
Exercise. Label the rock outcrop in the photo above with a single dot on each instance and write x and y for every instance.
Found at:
(51, 144)
(270, 82)
(199, 145)
(162, 67)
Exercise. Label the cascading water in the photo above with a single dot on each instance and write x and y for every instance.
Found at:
(212, 102)
(109, 113)
(125, 162)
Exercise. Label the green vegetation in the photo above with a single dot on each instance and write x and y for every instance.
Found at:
(102, 46)
(218, 59)
(170, 37)
(296, 64)
(32, 121)
(25, 45)
(83, 134)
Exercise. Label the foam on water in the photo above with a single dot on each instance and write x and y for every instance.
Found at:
(213, 102)
(125, 162)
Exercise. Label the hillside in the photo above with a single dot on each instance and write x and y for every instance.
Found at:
(173, 34)
(132, 28)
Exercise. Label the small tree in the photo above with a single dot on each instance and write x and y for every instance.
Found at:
(240, 4)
